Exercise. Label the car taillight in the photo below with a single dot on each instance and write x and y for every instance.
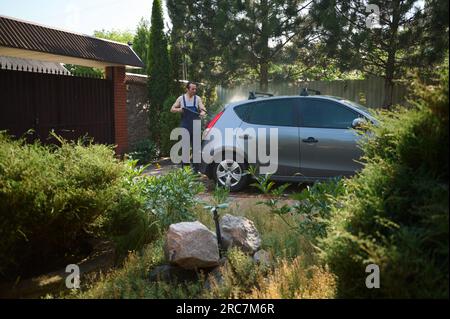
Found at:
(211, 124)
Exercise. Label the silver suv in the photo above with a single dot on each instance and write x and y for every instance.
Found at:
(316, 138)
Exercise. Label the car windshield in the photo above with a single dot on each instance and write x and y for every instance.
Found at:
(358, 106)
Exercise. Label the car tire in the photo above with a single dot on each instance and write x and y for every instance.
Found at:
(232, 171)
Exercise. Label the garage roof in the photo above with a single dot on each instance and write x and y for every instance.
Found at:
(23, 35)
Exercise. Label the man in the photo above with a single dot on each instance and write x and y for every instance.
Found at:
(191, 108)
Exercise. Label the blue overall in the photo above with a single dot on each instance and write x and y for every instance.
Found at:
(188, 116)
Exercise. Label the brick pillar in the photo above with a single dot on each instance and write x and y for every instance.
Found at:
(117, 75)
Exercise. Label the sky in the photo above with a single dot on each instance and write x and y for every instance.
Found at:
(81, 16)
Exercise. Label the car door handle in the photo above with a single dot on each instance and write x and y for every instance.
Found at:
(245, 137)
(310, 140)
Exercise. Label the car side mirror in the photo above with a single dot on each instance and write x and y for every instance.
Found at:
(358, 123)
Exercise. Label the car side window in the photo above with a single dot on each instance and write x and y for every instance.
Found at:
(325, 114)
(279, 112)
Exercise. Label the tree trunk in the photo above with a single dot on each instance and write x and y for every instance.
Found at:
(265, 52)
(388, 93)
(390, 63)
(264, 77)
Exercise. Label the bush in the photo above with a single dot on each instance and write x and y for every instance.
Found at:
(52, 199)
(169, 122)
(395, 212)
(314, 207)
(144, 152)
(171, 197)
(129, 223)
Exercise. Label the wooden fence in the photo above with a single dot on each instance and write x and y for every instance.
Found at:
(369, 92)
(72, 106)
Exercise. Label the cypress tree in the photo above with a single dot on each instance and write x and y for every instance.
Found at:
(158, 70)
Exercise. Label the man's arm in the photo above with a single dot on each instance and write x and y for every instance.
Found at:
(176, 107)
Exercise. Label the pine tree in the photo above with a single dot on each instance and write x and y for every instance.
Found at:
(404, 37)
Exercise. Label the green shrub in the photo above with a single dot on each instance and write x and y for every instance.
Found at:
(144, 152)
(129, 223)
(314, 207)
(52, 199)
(395, 212)
(171, 197)
(169, 122)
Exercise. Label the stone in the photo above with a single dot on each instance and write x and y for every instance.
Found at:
(239, 232)
(191, 245)
(169, 273)
(263, 258)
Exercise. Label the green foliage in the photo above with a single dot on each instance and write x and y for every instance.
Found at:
(84, 70)
(158, 69)
(171, 197)
(115, 35)
(385, 51)
(220, 196)
(141, 42)
(314, 206)
(53, 197)
(169, 121)
(129, 223)
(144, 152)
(395, 212)
(242, 41)
(263, 182)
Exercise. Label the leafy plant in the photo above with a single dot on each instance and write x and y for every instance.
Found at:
(171, 197)
(265, 185)
(263, 182)
(144, 152)
(314, 206)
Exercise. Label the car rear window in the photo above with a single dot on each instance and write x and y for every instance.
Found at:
(242, 111)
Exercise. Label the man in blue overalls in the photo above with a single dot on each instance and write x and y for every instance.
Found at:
(192, 108)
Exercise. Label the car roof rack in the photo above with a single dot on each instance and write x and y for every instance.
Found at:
(254, 95)
(305, 92)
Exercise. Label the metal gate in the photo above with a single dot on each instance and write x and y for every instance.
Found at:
(72, 106)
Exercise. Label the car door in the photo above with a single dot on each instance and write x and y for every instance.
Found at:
(279, 114)
(328, 144)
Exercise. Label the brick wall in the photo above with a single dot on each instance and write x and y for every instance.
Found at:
(117, 75)
(137, 110)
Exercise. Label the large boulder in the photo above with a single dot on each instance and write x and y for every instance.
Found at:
(239, 232)
(191, 245)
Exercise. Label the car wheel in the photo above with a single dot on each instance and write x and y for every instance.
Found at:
(231, 173)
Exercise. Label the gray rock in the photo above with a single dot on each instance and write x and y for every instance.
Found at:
(191, 245)
(239, 232)
(263, 258)
(169, 273)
